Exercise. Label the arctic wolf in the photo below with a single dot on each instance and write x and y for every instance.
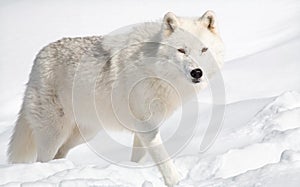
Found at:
(85, 72)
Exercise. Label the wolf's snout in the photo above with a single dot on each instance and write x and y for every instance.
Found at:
(196, 73)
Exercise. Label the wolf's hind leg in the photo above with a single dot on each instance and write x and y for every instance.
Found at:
(48, 141)
(138, 152)
(51, 128)
(73, 140)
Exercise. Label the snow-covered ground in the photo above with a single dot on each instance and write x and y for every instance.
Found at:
(259, 144)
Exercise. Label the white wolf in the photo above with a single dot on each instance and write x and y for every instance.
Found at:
(48, 126)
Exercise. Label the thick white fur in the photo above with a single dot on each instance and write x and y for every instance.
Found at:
(46, 127)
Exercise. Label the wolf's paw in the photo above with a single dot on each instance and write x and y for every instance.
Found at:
(172, 179)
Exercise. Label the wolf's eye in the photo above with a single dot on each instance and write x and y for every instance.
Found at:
(204, 49)
(181, 50)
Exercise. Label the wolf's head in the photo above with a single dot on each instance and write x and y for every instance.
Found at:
(190, 40)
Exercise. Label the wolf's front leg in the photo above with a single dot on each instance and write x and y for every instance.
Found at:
(138, 151)
(153, 143)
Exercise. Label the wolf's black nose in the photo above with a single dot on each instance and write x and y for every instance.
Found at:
(196, 73)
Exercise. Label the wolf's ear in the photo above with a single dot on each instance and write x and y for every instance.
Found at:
(209, 21)
(170, 23)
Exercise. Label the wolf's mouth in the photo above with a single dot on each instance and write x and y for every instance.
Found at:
(195, 80)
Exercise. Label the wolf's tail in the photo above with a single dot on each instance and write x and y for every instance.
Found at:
(22, 148)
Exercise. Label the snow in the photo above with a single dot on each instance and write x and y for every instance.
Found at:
(259, 143)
